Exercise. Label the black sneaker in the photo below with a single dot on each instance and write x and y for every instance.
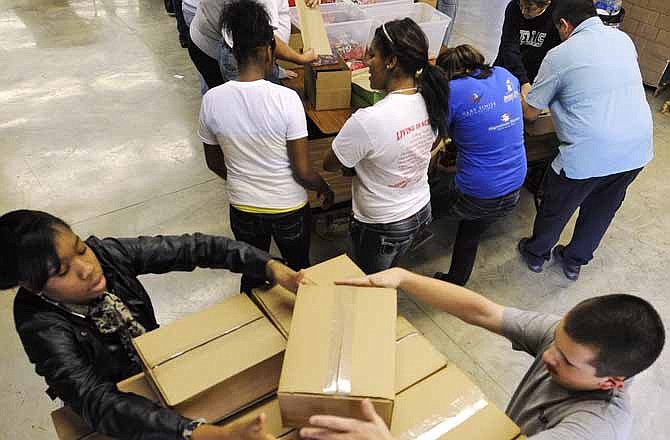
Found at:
(570, 271)
(537, 268)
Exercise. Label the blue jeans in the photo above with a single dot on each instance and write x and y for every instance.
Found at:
(229, 67)
(290, 230)
(378, 246)
(474, 216)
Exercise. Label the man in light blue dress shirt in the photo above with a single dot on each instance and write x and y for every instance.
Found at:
(593, 86)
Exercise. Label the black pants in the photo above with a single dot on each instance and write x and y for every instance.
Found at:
(597, 198)
(291, 231)
(182, 27)
(474, 217)
(206, 65)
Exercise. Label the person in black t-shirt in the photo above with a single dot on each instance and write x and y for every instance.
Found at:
(528, 34)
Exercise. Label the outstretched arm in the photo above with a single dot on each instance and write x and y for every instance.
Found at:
(464, 304)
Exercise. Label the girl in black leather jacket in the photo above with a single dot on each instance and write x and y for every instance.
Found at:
(79, 303)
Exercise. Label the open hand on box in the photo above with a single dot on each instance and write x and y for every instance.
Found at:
(251, 430)
(341, 428)
(284, 276)
(390, 278)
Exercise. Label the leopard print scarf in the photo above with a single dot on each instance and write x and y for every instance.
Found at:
(110, 315)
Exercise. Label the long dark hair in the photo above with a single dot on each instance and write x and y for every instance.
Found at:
(464, 60)
(248, 22)
(405, 40)
(27, 248)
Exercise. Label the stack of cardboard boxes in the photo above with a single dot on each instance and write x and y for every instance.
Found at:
(344, 344)
(648, 24)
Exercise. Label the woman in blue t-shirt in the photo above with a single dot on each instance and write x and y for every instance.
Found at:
(485, 123)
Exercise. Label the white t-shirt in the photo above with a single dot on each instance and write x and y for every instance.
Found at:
(280, 20)
(252, 121)
(389, 145)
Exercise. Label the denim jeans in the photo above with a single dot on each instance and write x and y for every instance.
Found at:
(229, 67)
(474, 216)
(378, 247)
(290, 230)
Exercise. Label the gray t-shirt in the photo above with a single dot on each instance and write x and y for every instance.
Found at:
(205, 28)
(545, 410)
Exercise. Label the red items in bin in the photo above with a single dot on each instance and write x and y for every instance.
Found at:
(346, 47)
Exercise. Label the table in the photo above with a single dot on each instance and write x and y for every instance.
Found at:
(329, 122)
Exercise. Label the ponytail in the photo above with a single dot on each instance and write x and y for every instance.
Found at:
(434, 88)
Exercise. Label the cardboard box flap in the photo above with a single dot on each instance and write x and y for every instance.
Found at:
(190, 332)
(416, 359)
(278, 302)
(346, 333)
(273, 424)
(69, 425)
(447, 405)
(403, 328)
(336, 269)
(212, 363)
(138, 384)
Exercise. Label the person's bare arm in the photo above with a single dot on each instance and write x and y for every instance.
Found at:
(460, 302)
(331, 162)
(215, 160)
(304, 174)
(284, 52)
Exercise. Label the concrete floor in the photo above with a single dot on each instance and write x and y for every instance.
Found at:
(98, 117)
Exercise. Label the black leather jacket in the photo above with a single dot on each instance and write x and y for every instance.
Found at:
(81, 366)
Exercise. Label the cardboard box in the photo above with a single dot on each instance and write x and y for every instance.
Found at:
(214, 362)
(328, 87)
(448, 406)
(278, 302)
(70, 426)
(338, 355)
(273, 424)
(416, 358)
(543, 125)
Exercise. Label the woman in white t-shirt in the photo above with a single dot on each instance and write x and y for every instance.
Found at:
(206, 39)
(388, 145)
(255, 137)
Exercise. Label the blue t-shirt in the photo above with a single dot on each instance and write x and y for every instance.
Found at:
(486, 124)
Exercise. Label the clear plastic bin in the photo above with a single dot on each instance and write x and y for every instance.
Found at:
(433, 22)
(334, 13)
(347, 26)
(367, 3)
(350, 39)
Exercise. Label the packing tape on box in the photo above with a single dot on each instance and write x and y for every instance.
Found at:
(205, 342)
(338, 379)
(460, 410)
